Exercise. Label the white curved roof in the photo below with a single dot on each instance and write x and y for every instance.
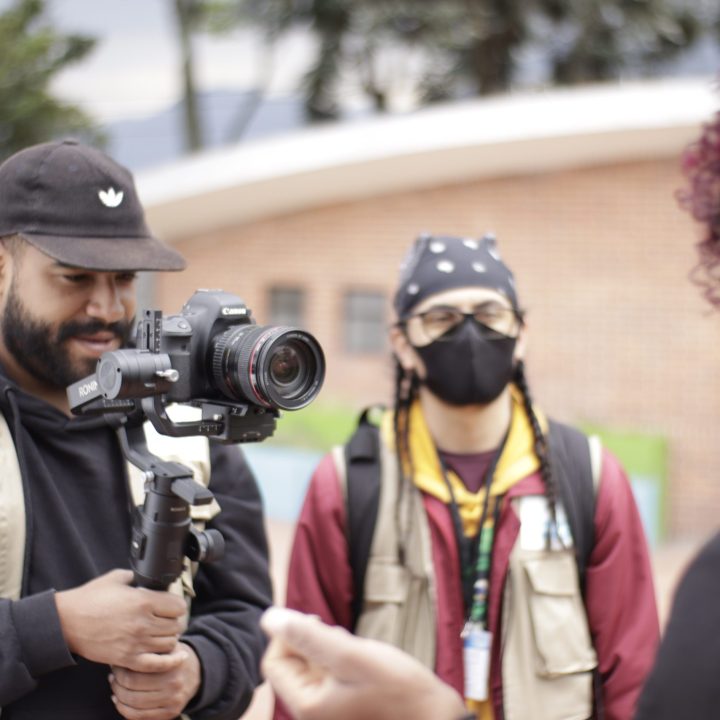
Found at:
(503, 135)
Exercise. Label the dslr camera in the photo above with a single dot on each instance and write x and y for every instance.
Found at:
(211, 356)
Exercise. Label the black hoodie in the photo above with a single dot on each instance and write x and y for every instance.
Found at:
(78, 528)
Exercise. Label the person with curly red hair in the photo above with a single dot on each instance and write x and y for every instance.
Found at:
(683, 682)
(701, 165)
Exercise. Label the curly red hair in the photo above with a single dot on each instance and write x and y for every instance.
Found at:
(701, 166)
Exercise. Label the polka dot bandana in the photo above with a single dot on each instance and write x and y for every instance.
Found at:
(437, 263)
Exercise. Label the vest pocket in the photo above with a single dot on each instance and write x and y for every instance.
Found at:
(397, 610)
(557, 615)
(386, 583)
(386, 588)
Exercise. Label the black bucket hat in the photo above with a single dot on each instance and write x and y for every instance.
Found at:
(78, 206)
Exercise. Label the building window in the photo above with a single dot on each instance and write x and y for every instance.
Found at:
(287, 306)
(364, 322)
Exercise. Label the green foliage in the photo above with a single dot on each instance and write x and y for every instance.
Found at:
(31, 54)
(609, 38)
(318, 427)
(472, 47)
(273, 16)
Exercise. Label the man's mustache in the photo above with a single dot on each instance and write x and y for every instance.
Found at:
(75, 328)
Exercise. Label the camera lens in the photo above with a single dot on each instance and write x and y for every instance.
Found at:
(277, 367)
(285, 365)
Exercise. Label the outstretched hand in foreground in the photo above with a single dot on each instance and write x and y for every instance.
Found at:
(324, 673)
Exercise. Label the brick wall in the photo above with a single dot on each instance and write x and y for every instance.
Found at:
(617, 333)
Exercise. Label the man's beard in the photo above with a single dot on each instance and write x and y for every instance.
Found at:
(38, 347)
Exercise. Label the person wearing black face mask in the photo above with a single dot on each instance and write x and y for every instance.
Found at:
(495, 546)
(468, 356)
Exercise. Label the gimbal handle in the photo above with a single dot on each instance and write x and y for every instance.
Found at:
(162, 531)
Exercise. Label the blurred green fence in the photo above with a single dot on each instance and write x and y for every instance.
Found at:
(284, 463)
(644, 457)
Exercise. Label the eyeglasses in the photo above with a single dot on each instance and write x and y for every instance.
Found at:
(440, 323)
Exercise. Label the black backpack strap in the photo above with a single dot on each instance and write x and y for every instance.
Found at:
(578, 474)
(362, 465)
(572, 465)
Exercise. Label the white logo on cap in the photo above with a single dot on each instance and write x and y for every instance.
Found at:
(110, 197)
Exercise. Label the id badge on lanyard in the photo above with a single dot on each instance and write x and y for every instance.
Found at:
(477, 642)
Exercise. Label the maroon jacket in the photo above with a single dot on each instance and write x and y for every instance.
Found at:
(620, 597)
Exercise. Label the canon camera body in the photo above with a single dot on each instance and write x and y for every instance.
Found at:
(212, 354)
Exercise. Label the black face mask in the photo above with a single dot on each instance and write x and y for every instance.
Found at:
(468, 368)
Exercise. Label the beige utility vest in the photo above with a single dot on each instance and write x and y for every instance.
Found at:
(12, 517)
(547, 653)
(398, 598)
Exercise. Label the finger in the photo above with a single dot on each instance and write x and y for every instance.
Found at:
(136, 681)
(276, 649)
(292, 678)
(163, 645)
(131, 713)
(283, 622)
(156, 663)
(279, 658)
(304, 635)
(123, 577)
(166, 627)
(165, 604)
(140, 699)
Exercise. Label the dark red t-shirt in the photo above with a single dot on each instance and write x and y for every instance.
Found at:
(469, 467)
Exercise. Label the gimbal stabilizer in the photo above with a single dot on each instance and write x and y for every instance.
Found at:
(162, 530)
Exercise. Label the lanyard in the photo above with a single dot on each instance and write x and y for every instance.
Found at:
(476, 553)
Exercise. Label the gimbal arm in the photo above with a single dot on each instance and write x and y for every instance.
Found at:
(162, 531)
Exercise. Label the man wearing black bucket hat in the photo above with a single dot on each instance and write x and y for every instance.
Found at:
(496, 546)
(77, 640)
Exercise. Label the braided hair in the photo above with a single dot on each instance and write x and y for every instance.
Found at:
(541, 451)
(407, 385)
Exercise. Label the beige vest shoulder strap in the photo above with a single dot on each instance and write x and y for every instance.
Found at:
(399, 599)
(193, 452)
(12, 517)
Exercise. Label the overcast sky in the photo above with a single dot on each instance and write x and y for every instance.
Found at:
(134, 69)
